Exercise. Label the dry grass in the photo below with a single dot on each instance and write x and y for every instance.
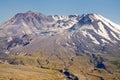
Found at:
(20, 72)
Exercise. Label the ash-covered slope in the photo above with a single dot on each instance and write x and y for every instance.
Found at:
(74, 34)
(25, 23)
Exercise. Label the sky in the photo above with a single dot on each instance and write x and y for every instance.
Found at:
(107, 8)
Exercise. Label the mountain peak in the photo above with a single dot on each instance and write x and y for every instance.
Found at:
(30, 11)
(89, 18)
(95, 16)
(28, 17)
(33, 13)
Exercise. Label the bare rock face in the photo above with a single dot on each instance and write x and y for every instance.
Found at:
(24, 40)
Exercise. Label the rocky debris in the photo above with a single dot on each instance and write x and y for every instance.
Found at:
(97, 61)
(68, 75)
(101, 78)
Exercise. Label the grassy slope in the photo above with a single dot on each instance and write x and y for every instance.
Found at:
(27, 68)
(20, 72)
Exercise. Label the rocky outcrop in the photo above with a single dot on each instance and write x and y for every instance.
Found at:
(97, 60)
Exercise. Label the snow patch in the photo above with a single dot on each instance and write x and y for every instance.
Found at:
(84, 33)
(28, 31)
(102, 31)
(93, 38)
(110, 24)
(114, 36)
(104, 41)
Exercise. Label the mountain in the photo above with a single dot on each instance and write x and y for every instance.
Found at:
(84, 47)
(90, 33)
(94, 32)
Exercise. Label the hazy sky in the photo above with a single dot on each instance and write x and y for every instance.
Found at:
(108, 8)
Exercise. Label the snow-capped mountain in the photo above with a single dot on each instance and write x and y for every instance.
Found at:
(94, 32)
(32, 31)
